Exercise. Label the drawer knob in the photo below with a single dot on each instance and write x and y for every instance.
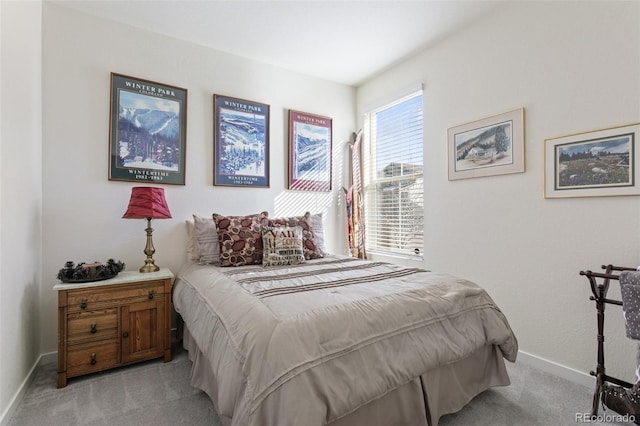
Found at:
(125, 334)
(83, 304)
(150, 294)
(93, 328)
(93, 359)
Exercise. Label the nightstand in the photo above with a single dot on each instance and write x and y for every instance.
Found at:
(115, 322)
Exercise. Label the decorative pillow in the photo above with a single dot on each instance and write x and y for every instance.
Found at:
(282, 245)
(207, 239)
(192, 243)
(318, 230)
(309, 243)
(240, 238)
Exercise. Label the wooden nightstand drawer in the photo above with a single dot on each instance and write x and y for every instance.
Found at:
(92, 325)
(88, 358)
(84, 300)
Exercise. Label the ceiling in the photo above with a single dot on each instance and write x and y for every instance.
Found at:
(344, 41)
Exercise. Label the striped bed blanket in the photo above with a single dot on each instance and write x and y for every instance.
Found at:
(310, 343)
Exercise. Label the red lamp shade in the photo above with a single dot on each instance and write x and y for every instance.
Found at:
(147, 202)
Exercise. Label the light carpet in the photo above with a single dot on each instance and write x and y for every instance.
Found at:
(157, 393)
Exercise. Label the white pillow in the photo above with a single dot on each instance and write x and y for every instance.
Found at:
(207, 239)
(318, 230)
(192, 244)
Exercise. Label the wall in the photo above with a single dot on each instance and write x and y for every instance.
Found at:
(20, 195)
(83, 210)
(574, 67)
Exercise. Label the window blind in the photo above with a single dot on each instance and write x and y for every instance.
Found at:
(393, 177)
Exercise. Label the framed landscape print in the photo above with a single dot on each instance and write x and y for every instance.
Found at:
(487, 147)
(592, 164)
(309, 151)
(148, 131)
(241, 143)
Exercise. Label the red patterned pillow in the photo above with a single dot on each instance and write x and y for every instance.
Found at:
(309, 241)
(240, 238)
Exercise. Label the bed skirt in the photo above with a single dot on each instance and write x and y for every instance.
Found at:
(421, 402)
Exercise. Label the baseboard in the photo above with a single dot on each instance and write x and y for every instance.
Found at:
(48, 358)
(43, 359)
(556, 369)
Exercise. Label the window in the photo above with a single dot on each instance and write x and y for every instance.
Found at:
(393, 178)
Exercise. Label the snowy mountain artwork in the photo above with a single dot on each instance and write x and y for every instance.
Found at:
(241, 143)
(147, 131)
(309, 151)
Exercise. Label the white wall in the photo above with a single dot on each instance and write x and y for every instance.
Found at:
(83, 210)
(20, 194)
(574, 67)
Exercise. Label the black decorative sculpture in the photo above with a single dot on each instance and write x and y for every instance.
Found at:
(85, 272)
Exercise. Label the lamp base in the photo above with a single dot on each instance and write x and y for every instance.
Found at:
(150, 267)
(149, 264)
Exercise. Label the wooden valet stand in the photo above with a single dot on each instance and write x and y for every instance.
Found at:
(599, 290)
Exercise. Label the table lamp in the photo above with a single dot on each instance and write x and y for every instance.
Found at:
(148, 203)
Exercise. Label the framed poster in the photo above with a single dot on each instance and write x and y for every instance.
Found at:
(241, 143)
(148, 131)
(309, 151)
(592, 164)
(487, 147)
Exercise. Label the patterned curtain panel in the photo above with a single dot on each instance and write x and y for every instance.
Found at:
(355, 204)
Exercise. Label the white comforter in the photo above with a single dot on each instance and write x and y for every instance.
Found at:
(308, 344)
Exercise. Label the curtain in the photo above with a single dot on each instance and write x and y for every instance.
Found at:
(355, 202)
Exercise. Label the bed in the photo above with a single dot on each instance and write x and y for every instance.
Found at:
(339, 341)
